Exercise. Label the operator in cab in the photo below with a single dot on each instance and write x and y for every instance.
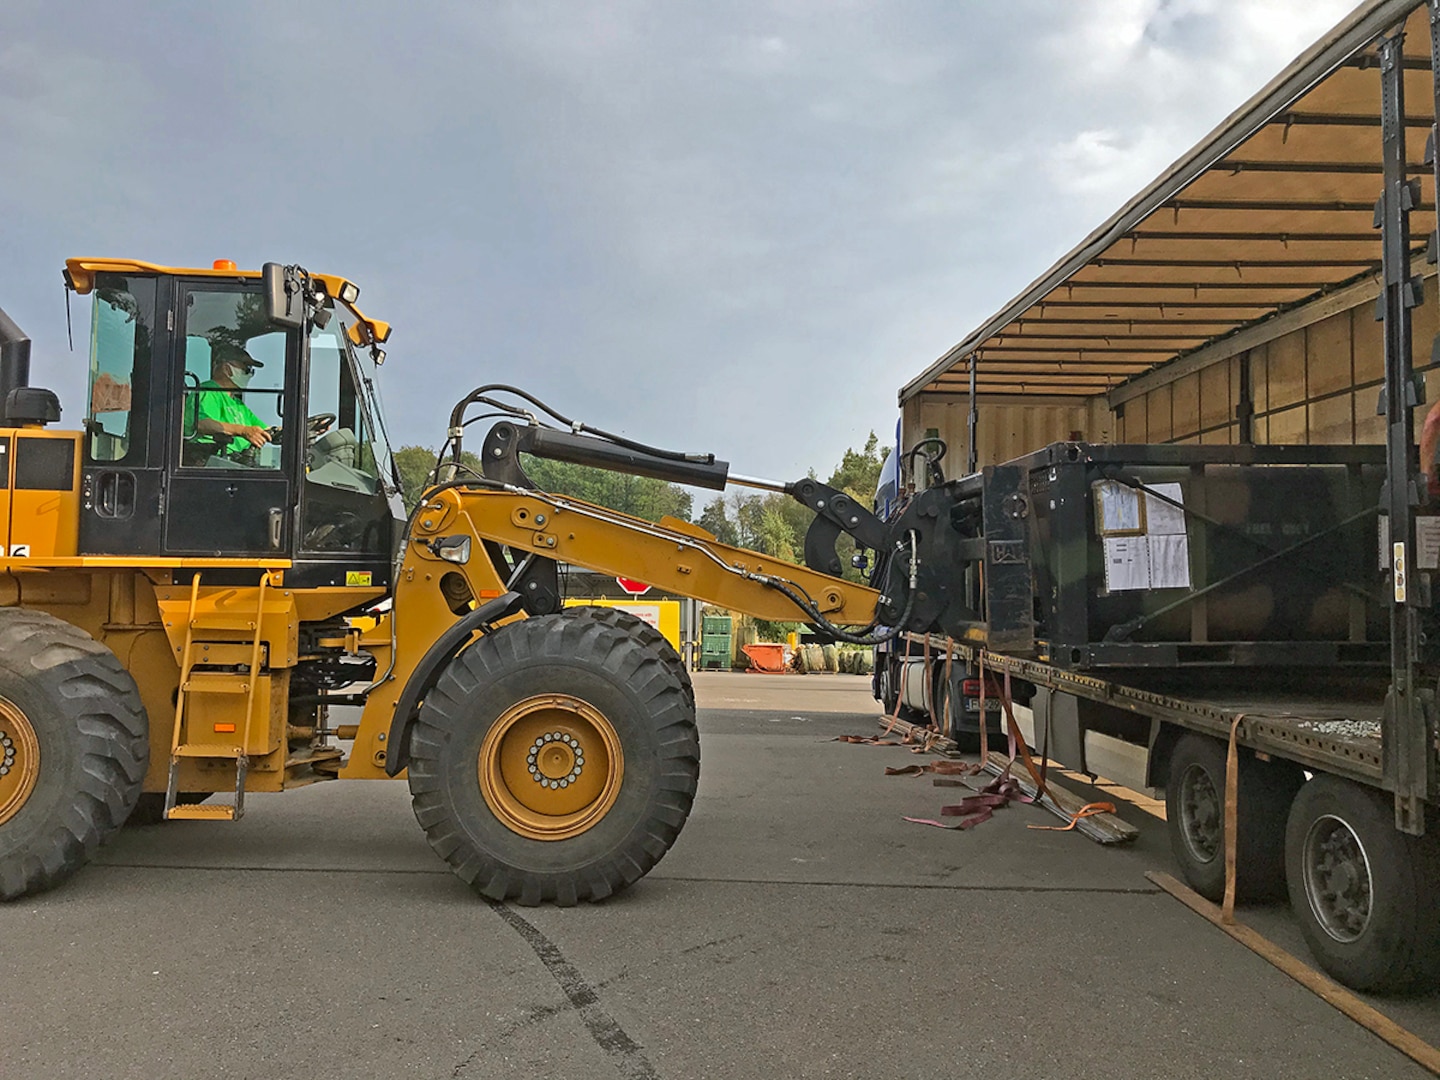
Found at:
(223, 420)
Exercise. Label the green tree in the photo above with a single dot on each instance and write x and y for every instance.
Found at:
(776, 537)
(713, 519)
(858, 474)
(638, 496)
(414, 464)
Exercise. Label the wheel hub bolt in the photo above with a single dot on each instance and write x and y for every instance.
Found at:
(555, 760)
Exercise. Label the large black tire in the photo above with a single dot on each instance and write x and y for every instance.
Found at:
(626, 710)
(647, 635)
(1195, 818)
(1367, 895)
(66, 701)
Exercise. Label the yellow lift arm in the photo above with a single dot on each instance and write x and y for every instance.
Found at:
(446, 539)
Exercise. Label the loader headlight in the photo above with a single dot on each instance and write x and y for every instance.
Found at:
(349, 292)
(454, 549)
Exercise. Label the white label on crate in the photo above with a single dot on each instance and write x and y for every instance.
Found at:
(1117, 508)
(1161, 517)
(1147, 562)
(1127, 563)
(1427, 543)
(1169, 562)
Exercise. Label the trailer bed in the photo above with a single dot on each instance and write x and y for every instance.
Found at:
(1330, 731)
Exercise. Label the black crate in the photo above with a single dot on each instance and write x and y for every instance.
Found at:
(1279, 547)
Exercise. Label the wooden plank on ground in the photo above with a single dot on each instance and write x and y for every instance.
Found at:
(1063, 803)
(1407, 1042)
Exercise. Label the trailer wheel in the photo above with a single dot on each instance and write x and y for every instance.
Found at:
(73, 749)
(1195, 818)
(1364, 892)
(942, 701)
(887, 683)
(556, 760)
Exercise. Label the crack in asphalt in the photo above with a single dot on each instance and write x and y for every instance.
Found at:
(628, 1055)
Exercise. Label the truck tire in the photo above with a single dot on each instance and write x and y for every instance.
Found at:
(556, 760)
(647, 635)
(1195, 819)
(887, 684)
(1365, 894)
(73, 749)
(943, 698)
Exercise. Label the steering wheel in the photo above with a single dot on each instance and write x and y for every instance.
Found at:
(318, 425)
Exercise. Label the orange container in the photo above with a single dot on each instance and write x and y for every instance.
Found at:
(767, 658)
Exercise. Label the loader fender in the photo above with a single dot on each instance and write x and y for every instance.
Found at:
(446, 647)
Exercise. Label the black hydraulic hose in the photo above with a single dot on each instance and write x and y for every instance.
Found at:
(865, 637)
(457, 416)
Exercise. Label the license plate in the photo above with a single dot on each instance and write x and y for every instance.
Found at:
(991, 705)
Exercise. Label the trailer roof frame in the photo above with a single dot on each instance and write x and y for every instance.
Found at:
(1314, 129)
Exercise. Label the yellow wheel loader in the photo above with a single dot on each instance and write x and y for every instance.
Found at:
(218, 557)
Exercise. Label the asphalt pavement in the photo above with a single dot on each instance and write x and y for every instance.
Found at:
(799, 928)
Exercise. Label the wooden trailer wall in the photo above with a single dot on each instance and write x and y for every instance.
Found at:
(1240, 283)
(1316, 384)
(1005, 430)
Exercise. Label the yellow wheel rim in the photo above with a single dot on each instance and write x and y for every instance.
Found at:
(19, 759)
(550, 767)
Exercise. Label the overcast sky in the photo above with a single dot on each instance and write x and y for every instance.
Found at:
(735, 227)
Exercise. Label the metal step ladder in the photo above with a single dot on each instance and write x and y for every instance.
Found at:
(214, 682)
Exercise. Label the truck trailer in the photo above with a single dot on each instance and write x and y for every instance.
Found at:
(1193, 510)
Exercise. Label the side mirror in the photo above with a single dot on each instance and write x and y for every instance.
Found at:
(284, 295)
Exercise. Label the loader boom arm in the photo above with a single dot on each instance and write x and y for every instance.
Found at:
(674, 556)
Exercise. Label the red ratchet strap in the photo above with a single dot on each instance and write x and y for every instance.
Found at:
(981, 807)
(984, 735)
(1088, 810)
(899, 692)
(940, 768)
(922, 745)
(927, 688)
(947, 722)
(1017, 741)
(1232, 819)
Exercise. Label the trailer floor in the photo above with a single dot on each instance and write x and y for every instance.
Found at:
(799, 929)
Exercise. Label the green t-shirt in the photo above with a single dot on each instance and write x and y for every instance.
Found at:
(215, 402)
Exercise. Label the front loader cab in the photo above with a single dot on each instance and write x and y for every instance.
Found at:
(219, 425)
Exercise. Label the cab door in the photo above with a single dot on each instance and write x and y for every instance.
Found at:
(225, 497)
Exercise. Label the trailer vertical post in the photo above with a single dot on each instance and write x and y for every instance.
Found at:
(973, 422)
(1406, 743)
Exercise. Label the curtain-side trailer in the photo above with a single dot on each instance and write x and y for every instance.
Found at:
(1225, 532)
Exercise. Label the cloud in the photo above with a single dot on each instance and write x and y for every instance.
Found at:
(736, 227)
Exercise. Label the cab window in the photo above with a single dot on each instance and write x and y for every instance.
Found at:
(120, 341)
(343, 448)
(234, 374)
